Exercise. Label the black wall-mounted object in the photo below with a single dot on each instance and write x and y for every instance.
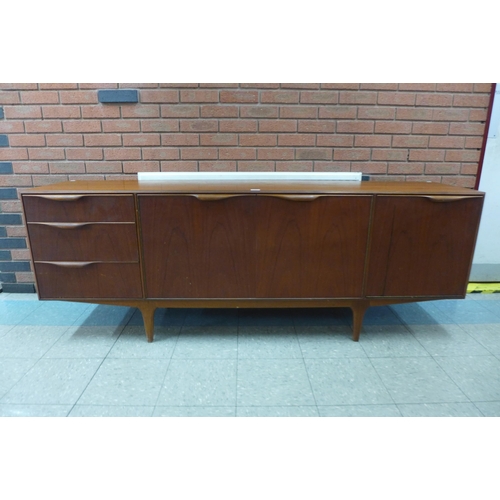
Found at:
(118, 96)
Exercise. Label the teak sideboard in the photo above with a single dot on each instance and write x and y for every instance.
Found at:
(251, 244)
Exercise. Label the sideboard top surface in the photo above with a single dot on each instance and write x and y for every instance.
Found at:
(254, 187)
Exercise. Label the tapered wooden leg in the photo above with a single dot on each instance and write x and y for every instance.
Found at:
(358, 311)
(148, 315)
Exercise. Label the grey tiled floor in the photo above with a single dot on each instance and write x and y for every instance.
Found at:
(428, 359)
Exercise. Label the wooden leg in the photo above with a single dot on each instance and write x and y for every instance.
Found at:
(148, 315)
(358, 311)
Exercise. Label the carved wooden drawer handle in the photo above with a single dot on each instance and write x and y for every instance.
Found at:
(447, 199)
(216, 197)
(62, 225)
(75, 265)
(60, 197)
(296, 197)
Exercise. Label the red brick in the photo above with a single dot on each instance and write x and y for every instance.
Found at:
(219, 85)
(84, 154)
(40, 97)
(464, 155)
(442, 168)
(14, 206)
(297, 140)
(199, 153)
(294, 166)
(180, 111)
(473, 142)
(103, 167)
(467, 128)
(219, 140)
(26, 140)
(256, 166)
(372, 141)
(161, 125)
(279, 96)
(410, 141)
(277, 126)
(138, 85)
(448, 115)
(299, 85)
(9, 97)
(414, 114)
(340, 86)
(328, 166)
(258, 140)
(426, 155)
(334, 141)
(58, 86)
(66, 111)
(132, 167)
(379, 86)
(179, 85)
(370, 167)
(259, 111)
(20, 254)
(398, 155)
(67, 167)
(238, 125)
(16, 231)
(347, 97)
(275, 154)
(355, 127)
(469, 169)
(140, 110)
(455, 180)
(122, 154)
(430, 128)
(313, 154)
(238, 153)
(101, 111)
(43, 126)
(472, 101)
(219, 111)
(30, 167)
(141, 139)
(454, 87)
(397, 127)
(376, 113)
(405, 168)
(7, 154)
(434, 99)
(478, 115)
(46, 153)
(260, 85)
(180, 139)
(199, 125)
(299, 112)
(396, 98)
(44, 180)
(483, 87)
(19, 86)
(64, 140)
(93, 140)
(337, 112)
(159, 96)
(319, 97)
(160, 153)
(22, 277)
(123, 125)
(22, 112)
(317, 126)
(11, 127)
(179, 166)
(78, 97)
(217, 166)
(242, 96)
(74, 126)
(447, 142)
(431, 87)
(199, 96)
(16, 180)
(98, 85)
(351, 154)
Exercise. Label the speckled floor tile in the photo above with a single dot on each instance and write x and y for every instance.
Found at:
(417, 380)
(277, 411)
(56, 313)
(415, 313)
(328, 342)
(382, 341)
(440, 410)
(489, 408)
(380, 315)
(467, 311)
(273, 382)
(349, 381)
(53, 382)
(127, 382)
(105, 315)
(359, 411)
(5, 328)
(208, 342)
(266, 317)
(211, 317)
(20, 410)
(488, 335)
(194, 411)
(268, 342)
(199, 382)
(322, 316)
(12, 370)
(163, 317)
(111, 411)
(477, 376)
(13, 312)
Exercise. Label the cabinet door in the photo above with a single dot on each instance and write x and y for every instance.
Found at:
(311, 246)
(422, 245)
(198, 247)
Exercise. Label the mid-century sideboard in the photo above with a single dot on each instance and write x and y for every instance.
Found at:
(251, 243)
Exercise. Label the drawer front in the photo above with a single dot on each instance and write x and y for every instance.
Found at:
(83, 242)
(73, 280)
(79, 208)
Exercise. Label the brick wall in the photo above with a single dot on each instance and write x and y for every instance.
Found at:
(56, 132)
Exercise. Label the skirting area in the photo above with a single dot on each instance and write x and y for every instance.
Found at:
(438, 358)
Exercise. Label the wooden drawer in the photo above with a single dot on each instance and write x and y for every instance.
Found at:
(79, 208)
(83, 242)
(86, 280)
